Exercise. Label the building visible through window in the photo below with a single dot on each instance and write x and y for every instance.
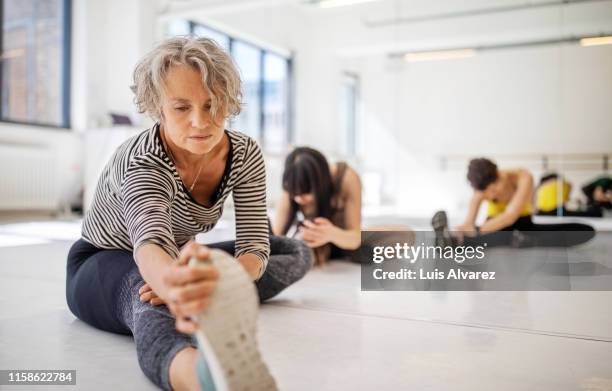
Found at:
(276, 95)
(34, 67)
(248, 59)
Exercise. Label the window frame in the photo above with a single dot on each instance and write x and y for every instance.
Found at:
(65, 59)
(262, 53)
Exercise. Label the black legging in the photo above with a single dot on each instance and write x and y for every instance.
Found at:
(535, 235)
(592, 211)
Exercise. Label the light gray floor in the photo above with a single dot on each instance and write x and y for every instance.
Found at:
(324, 334)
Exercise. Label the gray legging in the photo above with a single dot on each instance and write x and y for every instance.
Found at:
(102, 290)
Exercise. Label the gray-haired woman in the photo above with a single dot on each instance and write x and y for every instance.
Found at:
(161, 188)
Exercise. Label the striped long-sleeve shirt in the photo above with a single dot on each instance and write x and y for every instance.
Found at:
(140, 198)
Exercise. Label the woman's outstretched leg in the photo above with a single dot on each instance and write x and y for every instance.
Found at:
(561, 235)
(289, 261)
(165, 355)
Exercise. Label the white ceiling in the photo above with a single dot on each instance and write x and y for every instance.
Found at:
(359, 30)
(373, 11)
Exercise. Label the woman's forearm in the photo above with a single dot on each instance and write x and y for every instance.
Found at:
(152, 263)
(475, 202)
(470, 220)
(347, 239)
(497, 223)
(252, 264)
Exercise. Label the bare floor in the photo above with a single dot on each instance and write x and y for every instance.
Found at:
(323, 333)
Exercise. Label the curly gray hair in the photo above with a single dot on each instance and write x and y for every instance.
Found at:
(219, 74)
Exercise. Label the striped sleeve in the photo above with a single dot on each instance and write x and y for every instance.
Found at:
(148, 191)
(249, 193)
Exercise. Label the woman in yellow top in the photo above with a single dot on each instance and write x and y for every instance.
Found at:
(508, 194)
(553, 193)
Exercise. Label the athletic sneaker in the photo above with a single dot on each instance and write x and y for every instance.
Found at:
(439, 222)
(227, 335)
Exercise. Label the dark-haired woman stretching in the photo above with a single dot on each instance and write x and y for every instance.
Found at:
(329, 198)
(508, 194)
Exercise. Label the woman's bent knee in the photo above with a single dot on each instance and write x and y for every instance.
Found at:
(296, 254)
(93, 288)
(304, 258)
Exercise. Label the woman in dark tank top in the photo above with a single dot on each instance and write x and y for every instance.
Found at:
(323, 202)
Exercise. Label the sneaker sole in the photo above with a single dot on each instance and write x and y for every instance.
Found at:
(228, 330)
(439, 222)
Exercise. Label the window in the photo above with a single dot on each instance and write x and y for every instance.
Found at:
(248, 59)
(202, 31)
(178, 27)
(349, 95)
(276, 98)
(266, 112)
(35, 62)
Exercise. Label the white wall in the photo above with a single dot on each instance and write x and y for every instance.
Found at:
(552, 99)
(64, 149)
(548, 99)
(107, 39)
(118, 33)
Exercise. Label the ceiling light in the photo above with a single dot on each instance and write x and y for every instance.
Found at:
(341, 3)
(439, 55)
(594, 41)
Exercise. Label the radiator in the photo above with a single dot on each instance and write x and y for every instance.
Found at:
(28, 177)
